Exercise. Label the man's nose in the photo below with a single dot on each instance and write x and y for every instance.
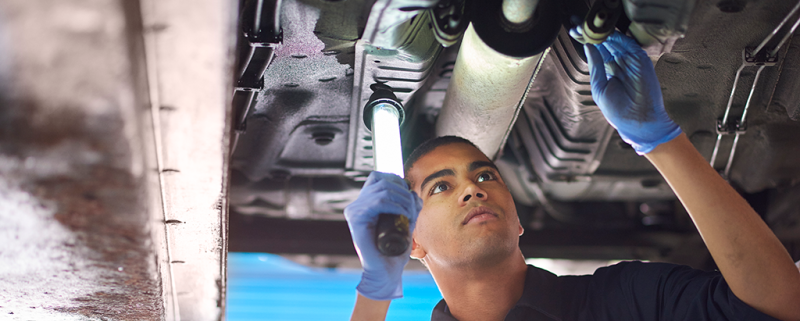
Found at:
(471, 191)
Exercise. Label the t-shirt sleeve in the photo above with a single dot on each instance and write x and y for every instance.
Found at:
(652, 291)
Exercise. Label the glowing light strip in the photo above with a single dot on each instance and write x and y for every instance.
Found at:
(386, 139)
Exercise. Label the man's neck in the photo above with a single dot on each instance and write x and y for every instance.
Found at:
(487, 293)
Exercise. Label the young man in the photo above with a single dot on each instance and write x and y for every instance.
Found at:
(467, 229)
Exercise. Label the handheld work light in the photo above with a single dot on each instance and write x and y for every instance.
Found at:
(383, 115)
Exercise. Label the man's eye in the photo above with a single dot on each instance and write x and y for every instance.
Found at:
(438, 188)
(485, 176)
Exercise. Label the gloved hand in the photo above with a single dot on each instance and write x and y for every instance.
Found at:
(625, 87)
(382, 193)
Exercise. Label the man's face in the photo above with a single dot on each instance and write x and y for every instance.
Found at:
(468, 216)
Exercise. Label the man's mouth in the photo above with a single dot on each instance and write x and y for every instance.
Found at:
(479, 214)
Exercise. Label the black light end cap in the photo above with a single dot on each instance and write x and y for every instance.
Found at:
(381, 94)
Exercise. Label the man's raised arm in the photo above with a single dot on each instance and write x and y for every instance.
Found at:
(381, 280)
(367, 309)
(753, 262)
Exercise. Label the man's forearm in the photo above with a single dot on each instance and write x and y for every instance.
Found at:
(751, 258)
(369, 310)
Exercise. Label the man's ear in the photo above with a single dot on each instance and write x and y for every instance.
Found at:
(521, 230)
(417, 251)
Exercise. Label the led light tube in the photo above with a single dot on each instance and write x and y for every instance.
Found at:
(386, 139)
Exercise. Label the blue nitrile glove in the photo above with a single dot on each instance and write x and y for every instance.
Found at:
(577, 31)
(382, 193)
(625, 87)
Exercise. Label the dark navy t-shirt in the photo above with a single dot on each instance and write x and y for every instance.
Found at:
(626, 291)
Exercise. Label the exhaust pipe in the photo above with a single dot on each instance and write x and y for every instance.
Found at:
(496, 64)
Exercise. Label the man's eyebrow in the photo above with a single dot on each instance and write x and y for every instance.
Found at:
(478, 164)
(444, 172)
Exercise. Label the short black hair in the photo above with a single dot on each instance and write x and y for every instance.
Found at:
(429, 145)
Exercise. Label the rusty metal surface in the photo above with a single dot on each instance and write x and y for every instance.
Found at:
(113, 149)
(75, 240)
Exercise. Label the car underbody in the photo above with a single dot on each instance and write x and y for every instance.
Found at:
(302, 150)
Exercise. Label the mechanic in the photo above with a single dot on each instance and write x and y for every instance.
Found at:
(467, 229)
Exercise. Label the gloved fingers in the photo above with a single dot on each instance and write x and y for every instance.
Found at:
(392, 186)
(611, 67)
(617, 67)
(611, 50)
(626, 43)
(620, 68)
(364, 212)
(382, 201)
(639, 80)
(372, 178)
(607, 57)
(577, 34)
(623, 71)
(417, 202)
(641, 66)
(414, 214)
(397, 203)
(390, 181)
(638, 73)
(597, 69)
(376, 176)
(398, 193)
(633, 65)
(625, 50)
(616, 49)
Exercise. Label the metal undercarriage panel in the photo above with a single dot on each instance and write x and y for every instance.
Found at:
(305, 149)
